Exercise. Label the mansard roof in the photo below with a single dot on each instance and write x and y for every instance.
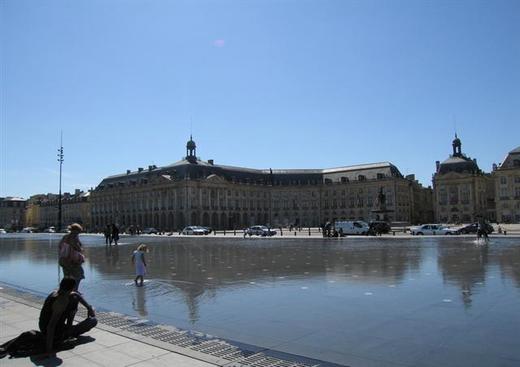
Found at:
(12, 198)
(512, 160)
(203, 169)
(459, 164)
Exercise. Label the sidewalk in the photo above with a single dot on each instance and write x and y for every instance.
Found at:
(103, 348)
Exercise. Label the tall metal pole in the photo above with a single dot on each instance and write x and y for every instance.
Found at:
(60, 159)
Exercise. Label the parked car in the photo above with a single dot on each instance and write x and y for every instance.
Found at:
(150, 230)
(260, 231)
(193, 230)
(206, 230)
(433, 229)
(352, 227)
(379, 227)
(51, 229)
(472, 228)
(2, 231)
(27, 230)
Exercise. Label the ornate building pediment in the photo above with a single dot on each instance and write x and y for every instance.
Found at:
(215, 178)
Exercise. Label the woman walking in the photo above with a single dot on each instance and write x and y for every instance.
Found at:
(71, 255)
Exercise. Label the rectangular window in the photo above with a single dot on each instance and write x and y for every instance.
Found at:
(443, 197)
(454, 195)
(464, 195)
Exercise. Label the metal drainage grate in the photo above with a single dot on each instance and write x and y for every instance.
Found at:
(227, 353)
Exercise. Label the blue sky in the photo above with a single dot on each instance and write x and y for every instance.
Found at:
(280, 84)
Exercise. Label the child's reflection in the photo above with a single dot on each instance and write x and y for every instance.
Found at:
(139, 301)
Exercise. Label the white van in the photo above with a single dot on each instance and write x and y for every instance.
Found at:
(352, 227)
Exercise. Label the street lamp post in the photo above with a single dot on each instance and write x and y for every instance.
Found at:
(60, 159)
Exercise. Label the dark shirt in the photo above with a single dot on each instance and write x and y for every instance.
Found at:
(46, 314)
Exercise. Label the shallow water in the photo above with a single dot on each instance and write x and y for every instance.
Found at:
(359, 302)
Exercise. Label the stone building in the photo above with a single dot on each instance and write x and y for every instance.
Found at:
(12, 213)
(75, 208)
(463, 192)
(197, 192)
(507, 186)
(32, 209)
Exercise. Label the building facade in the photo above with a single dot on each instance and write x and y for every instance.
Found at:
(463, 192)
(12, 213)
(75, 208)
(197, 192)
(32, 210)
(507, 188)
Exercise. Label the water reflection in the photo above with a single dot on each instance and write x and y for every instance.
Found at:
(509, 262)
(464, 265)
(139, 301)
(264, 291)
(202, 269)
(112, 255)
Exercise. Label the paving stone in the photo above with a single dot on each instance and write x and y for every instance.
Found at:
(172, 360)
(80, 361)
(112, 358)
(8, 331)
(107, 339)
(140, 350)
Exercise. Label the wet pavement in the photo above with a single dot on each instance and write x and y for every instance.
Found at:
(358, 302)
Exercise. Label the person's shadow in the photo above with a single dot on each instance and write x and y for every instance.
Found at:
(46, 362)
(37, 358)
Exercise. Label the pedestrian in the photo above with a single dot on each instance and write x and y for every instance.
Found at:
(140, 264)
(71, 256)
(55, 323)
(108, 234)
(481, 231)
(115, 233)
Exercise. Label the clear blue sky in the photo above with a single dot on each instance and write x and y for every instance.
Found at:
(281, 84)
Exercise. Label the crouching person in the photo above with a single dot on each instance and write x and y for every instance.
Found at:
(57, 315)
(56, 323)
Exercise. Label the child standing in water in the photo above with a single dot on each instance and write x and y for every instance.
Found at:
(140, 264)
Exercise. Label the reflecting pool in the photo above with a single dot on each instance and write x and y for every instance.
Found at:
(358, 302)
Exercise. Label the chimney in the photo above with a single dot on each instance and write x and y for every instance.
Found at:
(140, 169)
(437, 165)
(475, 160)
(77, 192)
(210, 161)
(127, 171)
(495, 166)
(150, 168)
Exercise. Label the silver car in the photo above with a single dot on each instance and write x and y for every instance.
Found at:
(260, 231)
(432, 229)
(193, 230)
